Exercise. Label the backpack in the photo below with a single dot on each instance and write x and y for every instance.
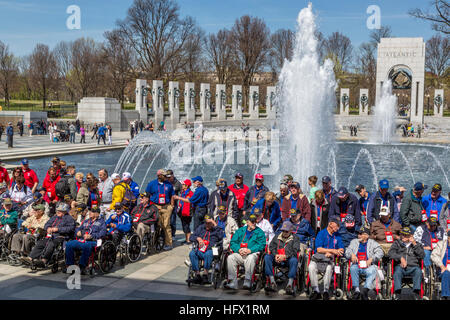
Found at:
(62, 187)
(129, 200)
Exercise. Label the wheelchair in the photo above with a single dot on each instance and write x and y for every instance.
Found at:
(153, 241)
(337, 281)
(15, 259)
(215, 276)
(56, 261)
(281, 275)
(129, 248)
(5, 243)
(255, 281)
(406, 282)
(348, 285)
(102, 258)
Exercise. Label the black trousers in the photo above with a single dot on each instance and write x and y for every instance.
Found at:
(44, 248)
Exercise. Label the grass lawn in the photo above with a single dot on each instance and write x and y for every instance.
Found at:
(32, 105)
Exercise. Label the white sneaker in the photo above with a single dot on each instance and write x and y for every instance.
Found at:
(231, 285)
(187, 262)
(247, 284)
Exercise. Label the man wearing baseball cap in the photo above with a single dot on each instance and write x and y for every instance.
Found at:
(283, 251)
(224, 198)
(163, 196)
(269, 209)
(406, 253)
(9, 135)
(144, 215)
(302, 229)
(176, 190)
(247, 243)
(8, 216)
(382, 199)
(363, 200)
(240, 190)
(364, 253)
(433, 202)
(255, 193)
(412, 212)
(344, 203)
(31, 179)
(126, 176)
(199, 200)
(60, 227)
(385, 230)
(429, 234)
(327, 188)
(296, 201)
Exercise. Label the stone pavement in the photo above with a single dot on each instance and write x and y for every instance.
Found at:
(157, 277)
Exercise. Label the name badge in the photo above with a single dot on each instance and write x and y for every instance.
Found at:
(389, 237)
(424, 216)
(362, 264)
(136, 218)
(203, 249)
(48, 236)
(162, 199)
(434, 213)
(434, 243)
(448, 265)
(337, 269)
(244, 245)
(215, 251)
(49, 194)
(281, 251)
(99, 242)
(343, 215)
(448, 224)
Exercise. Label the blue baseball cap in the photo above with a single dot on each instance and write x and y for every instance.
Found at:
(24, 161)
(326, 179)
(384, 184)
(420, 186)
(342, 192)
(197, 178)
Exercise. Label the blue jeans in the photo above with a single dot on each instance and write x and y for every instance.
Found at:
(445, 284)
(427, 259)
(370, 273)
(196, 255)
(292, 262)
(72, 137)
(399, 273)
(86, 250)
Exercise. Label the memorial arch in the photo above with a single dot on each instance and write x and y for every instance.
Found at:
(403, 61)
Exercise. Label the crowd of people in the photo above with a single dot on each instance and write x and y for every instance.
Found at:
(405, 225)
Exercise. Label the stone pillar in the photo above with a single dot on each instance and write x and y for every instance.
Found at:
(236, 102)
(158, 101)
(364, 102)
(205, 101)
(271, 109)
(141, 99)
(438, 102)
(221, 100)
(189, 101)
(344, 101)
(254, 102)
(174, 103)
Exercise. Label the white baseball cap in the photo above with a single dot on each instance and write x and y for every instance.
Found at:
(115, 176)
(126, 175)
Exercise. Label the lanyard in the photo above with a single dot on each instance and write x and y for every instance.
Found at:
(278, 245)
(59, 221)
(209, 234)
(331, 237)
(293, 202)
(256, 193)
(387, 229)
(251, 235)
(341, 205)
(159, 192)
(435, 204)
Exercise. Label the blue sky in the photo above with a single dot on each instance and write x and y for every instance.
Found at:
(23, 23)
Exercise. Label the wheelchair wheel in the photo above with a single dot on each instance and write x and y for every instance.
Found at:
(159, 239)
(189, 277)
(55, 267)
(389, 282)
(134, 248)
(107, 257)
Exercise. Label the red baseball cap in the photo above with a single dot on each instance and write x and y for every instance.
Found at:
(259, 176)
(187, 182)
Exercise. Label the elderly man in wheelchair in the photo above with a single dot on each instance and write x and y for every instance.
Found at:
(283, 250)
(87, 236)
(205, 237)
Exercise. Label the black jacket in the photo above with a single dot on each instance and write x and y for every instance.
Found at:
(215, 236)
(65, 225)
(149, 214)
(412, 254)
(291, 246)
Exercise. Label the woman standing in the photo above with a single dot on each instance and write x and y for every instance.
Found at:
(83, 134)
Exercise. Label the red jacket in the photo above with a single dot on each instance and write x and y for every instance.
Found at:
(4, 176)
(302, 204)
(185, 206)
(239, 192)
(49, 187)
(30, 177)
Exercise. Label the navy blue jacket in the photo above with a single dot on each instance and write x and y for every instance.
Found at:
(200, 197)
(254, 193)
(274, 210)
(347, 235)
(65, 225)
(350, 206)
(303, 230)
(215, 235)
(97, 229)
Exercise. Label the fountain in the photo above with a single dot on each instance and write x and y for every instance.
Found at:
(383, 126)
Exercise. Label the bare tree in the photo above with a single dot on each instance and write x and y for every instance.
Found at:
(440, 18)
(437, 56)
(220, 54)
(282, 48)
(156, 32)
(192, 54)
(250, 43)
(43, 70)
(87, 66)
(377, 34)
(63, 56)
(339, 48)
(120, 64)
(9, 70)
(366, 66)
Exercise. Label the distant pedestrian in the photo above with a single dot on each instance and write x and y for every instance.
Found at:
(351, 130)
(94, 130)
(419, 131)
(132, 130)
(101, 134)
(1, 131)
(83, 134)
(31, 127)
(20, 127)
(9, 135)
(355, 130)
(109, 130)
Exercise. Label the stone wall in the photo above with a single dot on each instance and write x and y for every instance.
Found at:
(25, 116)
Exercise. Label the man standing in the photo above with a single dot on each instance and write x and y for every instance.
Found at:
(162, 195)
(101, 131)
(72, 131)
(327, 188)
(31, 127)
(9, 135)
(255, 193)
(105, 188)
(177, 189)
(412, 212)
(20, 126)
(240, 190)
(363, 200)
(31, 179)
(382, 199)
(344, 203)
(433, 202)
